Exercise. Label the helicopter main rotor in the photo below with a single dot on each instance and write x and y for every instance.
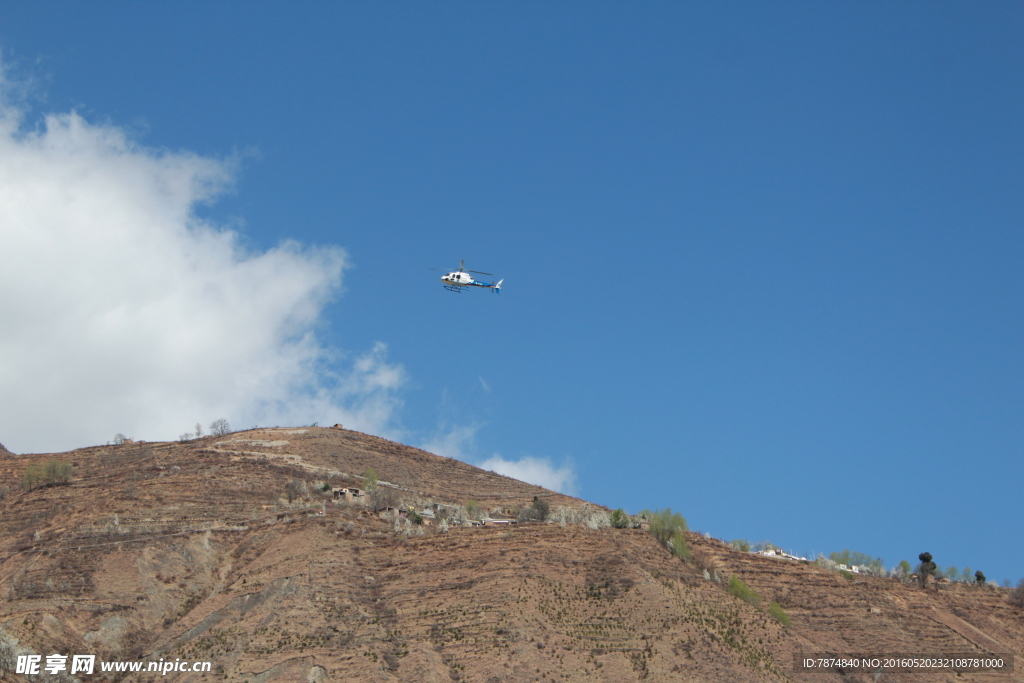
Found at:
(462, 269)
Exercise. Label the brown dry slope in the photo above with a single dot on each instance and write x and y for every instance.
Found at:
(187, 551)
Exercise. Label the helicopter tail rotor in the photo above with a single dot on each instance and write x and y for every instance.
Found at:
(497, 287)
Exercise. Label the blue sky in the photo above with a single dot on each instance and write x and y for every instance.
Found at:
(761, 261)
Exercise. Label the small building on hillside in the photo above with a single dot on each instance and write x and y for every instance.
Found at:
(348, 493)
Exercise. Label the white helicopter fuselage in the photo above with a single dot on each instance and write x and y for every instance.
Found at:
(459, 279)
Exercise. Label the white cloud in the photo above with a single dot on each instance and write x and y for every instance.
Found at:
(453, 442)
(121, 311)
(537, 471)
(458, 441)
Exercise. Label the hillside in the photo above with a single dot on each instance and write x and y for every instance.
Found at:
(188, 551)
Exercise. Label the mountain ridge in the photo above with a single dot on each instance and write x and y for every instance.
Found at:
(192, 551)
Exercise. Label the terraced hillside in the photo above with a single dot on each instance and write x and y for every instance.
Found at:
(190, 552)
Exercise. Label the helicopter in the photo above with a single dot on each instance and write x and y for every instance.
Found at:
(460, 277)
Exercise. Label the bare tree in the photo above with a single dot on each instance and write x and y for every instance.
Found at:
(199, 431)
(295, 488)
(220, 427)
(119, 439)
(382, 497)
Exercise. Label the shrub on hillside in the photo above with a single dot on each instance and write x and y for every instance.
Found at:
(594, 517)
(677, 546)
(1017, 596)
(665, 524)
(57, 471)
(826, 563)
(619, 519)
(669, 528)
(740, 544)
(704, 562)
(53, 471)
(779, 614)
(979, 578)
(539, 510)
(742, 591)
(901, 572)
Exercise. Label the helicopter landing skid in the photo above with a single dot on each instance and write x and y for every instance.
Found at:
(453, 288)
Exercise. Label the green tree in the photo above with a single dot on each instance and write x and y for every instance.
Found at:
(370, 479)
(926, 568)
(53, 471)
(669, 528)
(905, 566)
(979, 578)
(740, 544)
(32, 476)
(852, 559)
(542, 508)
(619, 519)
(951, 572)
(473, 509)
(57, 472)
